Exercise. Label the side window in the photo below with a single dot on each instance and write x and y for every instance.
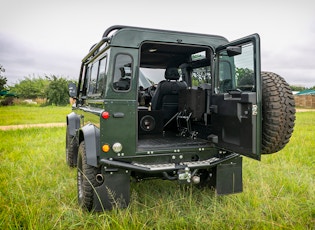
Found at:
(201, 75)
(97, 76)
(93, 79)
(86, 80)
(237, 72)
(101, 76)
(122, 72)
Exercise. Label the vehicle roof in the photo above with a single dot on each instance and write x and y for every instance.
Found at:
(133, 37)
(128, 36)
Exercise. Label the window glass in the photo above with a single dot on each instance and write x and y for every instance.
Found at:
(93, 79)
(201, 75)
(122, 72)
(237, 72)
(96, 75)
(154, 75)
(198, 56)
(86, 80)
(101, 77)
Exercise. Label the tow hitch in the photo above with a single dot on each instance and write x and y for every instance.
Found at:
(184, 175)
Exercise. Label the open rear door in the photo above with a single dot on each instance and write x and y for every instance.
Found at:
(236, 101)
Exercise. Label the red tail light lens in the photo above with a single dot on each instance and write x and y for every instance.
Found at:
(105, 115)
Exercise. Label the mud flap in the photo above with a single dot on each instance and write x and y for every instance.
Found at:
(229, 177)
(114, 192)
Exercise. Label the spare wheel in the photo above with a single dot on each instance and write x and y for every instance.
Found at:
(278, 111)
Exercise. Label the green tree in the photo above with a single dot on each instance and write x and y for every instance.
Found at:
(245, 79)
(3, 80)
(57, 91)
(245, 76)
(297, 88)
(32, 87)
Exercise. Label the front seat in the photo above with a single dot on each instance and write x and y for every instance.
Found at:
(165, 97)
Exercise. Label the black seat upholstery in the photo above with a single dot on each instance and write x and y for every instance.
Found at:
(124, 82)
(166, 95)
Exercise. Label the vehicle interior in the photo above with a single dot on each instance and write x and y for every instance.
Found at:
(174, 95)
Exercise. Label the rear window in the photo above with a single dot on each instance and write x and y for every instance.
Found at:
(122, 73)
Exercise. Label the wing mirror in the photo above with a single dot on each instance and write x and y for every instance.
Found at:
(72, 89)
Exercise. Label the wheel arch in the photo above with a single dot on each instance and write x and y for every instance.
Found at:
(73, 123)
(91, 137)
(72, 144)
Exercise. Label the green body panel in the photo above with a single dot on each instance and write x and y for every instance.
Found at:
(120, 127)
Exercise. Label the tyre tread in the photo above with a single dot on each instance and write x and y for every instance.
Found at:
(278, 113)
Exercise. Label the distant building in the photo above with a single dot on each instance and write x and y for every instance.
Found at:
(305, 99)
(306, 92)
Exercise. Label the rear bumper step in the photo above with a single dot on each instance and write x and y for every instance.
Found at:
(155, 168)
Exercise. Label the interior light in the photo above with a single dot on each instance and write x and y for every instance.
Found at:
(152, 50)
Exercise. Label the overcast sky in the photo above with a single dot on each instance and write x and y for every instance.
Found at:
(50, 37)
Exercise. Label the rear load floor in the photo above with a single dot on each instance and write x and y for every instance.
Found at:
(158, 142)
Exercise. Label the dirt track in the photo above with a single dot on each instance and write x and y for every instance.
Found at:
(10, 127)
(305, 110)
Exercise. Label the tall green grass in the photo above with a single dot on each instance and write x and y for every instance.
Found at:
(38, 190)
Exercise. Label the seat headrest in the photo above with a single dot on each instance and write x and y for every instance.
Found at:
(171, 74)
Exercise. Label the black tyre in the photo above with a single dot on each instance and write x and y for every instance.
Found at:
(278, 110)
(86, 180)
(71, 149)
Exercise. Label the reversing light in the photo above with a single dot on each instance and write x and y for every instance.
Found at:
(105, 115)
(105, 148)
(117, 147)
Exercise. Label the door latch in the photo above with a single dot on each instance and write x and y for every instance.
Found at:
(254, 110)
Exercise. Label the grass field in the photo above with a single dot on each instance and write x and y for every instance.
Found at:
(38, 190)
(16, 115)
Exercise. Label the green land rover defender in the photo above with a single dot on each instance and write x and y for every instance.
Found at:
(180, 106)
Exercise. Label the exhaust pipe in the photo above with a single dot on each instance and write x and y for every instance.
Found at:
(99, 178)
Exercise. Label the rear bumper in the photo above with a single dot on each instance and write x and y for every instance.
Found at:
(166, 167)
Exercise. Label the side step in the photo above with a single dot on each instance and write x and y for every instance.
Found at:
(154, 168)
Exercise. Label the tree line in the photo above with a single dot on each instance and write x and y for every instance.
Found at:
(52, 88)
